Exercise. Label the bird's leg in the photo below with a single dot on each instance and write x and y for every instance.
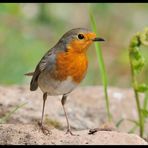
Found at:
(43, 128)
(63, 101)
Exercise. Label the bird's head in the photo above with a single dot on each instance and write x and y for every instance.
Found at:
(78, 40)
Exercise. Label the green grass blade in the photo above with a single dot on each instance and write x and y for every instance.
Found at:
(132, 130)
(101, 65)
(119, 122)
(7, 116)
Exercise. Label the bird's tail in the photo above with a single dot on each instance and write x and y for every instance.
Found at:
(33, 83)
(29, 74)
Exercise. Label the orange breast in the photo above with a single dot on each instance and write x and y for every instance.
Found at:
(71, 64)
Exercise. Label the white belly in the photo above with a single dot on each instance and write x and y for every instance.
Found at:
(53, 87)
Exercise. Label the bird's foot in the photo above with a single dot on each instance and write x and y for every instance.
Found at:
(44, 129)
(70, 132)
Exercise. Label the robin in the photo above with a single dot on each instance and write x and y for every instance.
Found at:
(63, 67)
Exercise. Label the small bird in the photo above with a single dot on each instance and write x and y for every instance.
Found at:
(63, 67)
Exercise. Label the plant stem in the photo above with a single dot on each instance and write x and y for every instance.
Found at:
(102, 67)
(104, 78)
(107, 104)
(140, 116)
(145, 104)
(141, 122)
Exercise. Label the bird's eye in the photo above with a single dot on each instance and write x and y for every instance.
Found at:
(80, 36)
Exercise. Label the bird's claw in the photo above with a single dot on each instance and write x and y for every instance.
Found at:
(44, 129)
(69, 131)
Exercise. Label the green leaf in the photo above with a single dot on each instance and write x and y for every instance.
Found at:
(135, 54)
(142, 88)
(135, 41)
(145, 112)
(138, 65)
(144, 37)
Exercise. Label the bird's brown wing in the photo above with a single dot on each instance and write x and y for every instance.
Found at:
(46, 62)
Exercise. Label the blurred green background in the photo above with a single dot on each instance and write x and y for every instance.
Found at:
(27, 31)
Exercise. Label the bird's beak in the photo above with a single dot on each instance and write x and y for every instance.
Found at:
(98, 39)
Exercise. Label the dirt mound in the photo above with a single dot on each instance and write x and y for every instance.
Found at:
(28, 134)
(85, 108)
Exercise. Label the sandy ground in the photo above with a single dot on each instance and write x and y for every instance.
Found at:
(86, 110)
(28, 134)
